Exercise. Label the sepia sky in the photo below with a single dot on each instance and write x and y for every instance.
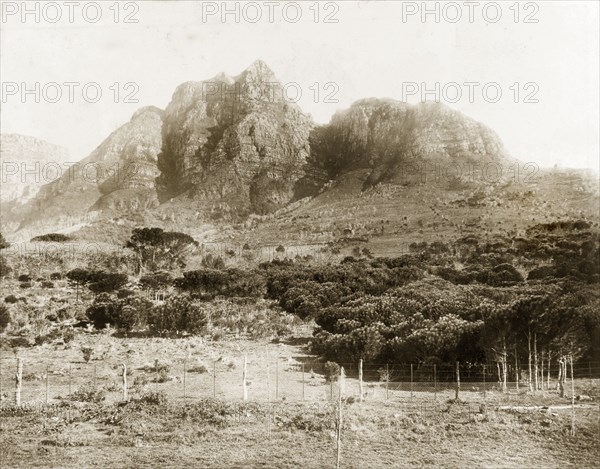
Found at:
(372, 51)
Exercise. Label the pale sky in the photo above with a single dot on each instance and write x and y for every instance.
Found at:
(372, 51)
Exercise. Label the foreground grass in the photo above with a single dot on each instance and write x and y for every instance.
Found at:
(151, 432)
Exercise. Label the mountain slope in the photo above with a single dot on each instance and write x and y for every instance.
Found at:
(118, 175)
(26, 165)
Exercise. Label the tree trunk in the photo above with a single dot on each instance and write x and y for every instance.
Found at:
(558, 378)
(542, 371)
(504, 370)
(548, 383)
(499, 373)
(562, 376)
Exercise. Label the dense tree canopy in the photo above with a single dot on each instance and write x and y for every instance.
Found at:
(161, 250)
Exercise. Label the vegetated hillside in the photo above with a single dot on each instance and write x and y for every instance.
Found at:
(27, 164)
(384, 219)
(119, 175)
(388, 217)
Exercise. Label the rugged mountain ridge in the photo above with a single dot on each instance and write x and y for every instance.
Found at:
(388, 137)
(234, 140)
(235, 146)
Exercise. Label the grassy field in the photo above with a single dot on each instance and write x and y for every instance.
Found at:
(161, 427)
(207, 433)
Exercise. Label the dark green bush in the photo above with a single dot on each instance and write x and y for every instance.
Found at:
(52, 237)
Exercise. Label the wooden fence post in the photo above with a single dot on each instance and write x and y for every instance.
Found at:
(18, 381)
(360, 380)
(434, 382)
(572, 397)
(457, 380)
(339, 426)
(302, 381)
(244, 376)
(268, 378)
(69, 379)
(411, 381)
(484, 385)
(214, 379)
(47, 379)
(276, 380)
(184, 378)
(95, 376)
(387, 381)
(124, 382)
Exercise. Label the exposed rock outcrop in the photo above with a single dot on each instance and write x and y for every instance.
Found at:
(234, 140)
(385, 134)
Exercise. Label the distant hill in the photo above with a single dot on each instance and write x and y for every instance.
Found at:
(26, 164)
(117, 177)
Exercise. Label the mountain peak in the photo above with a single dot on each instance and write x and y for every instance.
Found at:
(257, 71)
(147, 109)
(222, 77)
(259, 65)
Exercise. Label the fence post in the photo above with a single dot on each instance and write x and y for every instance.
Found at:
(572, 397)
(276, 380)
(124, 382)
(589, 368)
(387, 381)
(18, 381)
(244, 374)
(457, 380)
(94, 376)
(184, 377)
(360, 380)
(47, 379)
(268, 375)
(484, 385)
(434, 382)
(69, 379)
(411, 381)
(339, 426)
(214, 379)
(302, 381)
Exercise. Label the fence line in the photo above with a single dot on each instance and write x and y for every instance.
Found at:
(22, 382)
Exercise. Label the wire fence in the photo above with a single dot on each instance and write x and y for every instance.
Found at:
(279, 380)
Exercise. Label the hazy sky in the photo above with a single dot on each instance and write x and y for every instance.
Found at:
(372, 51)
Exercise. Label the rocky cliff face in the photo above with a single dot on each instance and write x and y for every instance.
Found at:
(26, 165)
(384, 135)
(119, 174)
(234, 140)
